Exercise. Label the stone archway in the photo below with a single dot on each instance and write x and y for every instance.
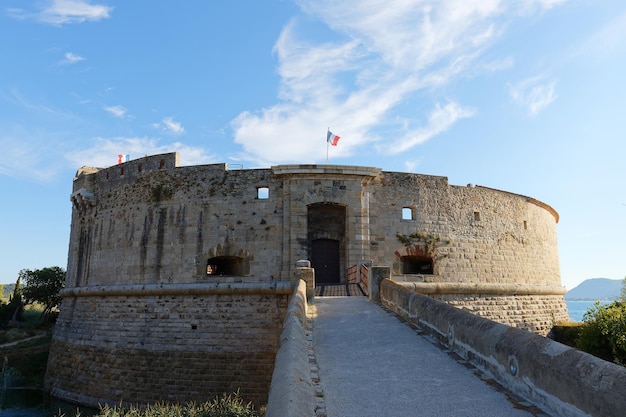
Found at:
(224, 260)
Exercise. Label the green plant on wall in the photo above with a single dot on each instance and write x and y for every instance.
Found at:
(430, 241)
(161, 192)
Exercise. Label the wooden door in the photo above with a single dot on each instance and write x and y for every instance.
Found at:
(325, 261)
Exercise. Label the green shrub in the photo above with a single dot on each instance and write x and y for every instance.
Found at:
(603, 333)
(566, 333)
(224, 406)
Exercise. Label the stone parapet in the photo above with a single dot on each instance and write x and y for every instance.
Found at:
(562, 380)
(192, 289)
(291, 391)
(310, 170)
(530, 307)
(481, 288)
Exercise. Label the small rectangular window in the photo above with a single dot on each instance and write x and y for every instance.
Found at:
(477, 216)
(407, 213)
(525, 225)
(263, 193)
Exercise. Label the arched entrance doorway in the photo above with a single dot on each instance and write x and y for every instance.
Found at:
(326, 236)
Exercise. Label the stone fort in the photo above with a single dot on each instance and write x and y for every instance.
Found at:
(179, 277)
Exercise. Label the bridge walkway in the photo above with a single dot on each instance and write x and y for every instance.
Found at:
(370, 363)
(338, 290)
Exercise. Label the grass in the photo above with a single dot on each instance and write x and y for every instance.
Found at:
(224, 406)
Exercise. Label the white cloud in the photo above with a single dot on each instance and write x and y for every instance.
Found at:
(534, 94)
(542, 4)
(411, 166)
(60, 12)
(359, 84)
(168, 125)
(117, 111)
(28, 158)
(71, 58)
(439, 120)
(42, 156)
(104, 151)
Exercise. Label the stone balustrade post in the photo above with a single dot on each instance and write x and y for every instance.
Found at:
(377, 274)
(307, 274)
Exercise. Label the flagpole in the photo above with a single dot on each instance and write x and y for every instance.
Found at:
(327, 130)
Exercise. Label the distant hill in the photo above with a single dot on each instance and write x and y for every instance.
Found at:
(596, 289)
(8, 291)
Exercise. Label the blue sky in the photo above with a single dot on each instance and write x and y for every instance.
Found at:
(524, 96)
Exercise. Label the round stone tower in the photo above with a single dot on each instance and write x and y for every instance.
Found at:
(178, 278)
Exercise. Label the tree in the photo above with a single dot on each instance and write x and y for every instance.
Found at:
(603, 332)
(12, 311)
(623, 295)
(43, 286)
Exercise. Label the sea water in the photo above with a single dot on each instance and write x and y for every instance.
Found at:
(578, 308)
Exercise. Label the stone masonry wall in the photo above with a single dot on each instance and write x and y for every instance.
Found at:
(152, 223)
(139, 349)
(485, 235)
(535, 313)
(165, 223)
(162, 226)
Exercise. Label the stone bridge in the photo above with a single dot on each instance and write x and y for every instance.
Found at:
(399, 353)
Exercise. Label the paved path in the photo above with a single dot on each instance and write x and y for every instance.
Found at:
(372, 364)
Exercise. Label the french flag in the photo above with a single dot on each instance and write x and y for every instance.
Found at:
(332, 138)
(123, 158)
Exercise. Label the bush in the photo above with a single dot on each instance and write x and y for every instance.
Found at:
(603, 333)
(566, 333)
(224, 406)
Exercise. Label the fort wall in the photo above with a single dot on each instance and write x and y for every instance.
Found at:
(144, 229)
(145, 344)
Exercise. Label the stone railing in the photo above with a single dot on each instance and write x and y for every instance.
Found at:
(561, 380)
(291, 390)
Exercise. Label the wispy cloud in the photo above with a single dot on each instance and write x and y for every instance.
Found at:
(36, 107)
(381, 59)
(534, 94)
(60, 12)
(608, 41)
(45, 156)
(103, 151)
(71, 58)
(117, 111)
(411, 166)
(168, 125)
(440, 119)
(27, 154)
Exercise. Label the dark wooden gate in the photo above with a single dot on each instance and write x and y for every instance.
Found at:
(325, 261)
